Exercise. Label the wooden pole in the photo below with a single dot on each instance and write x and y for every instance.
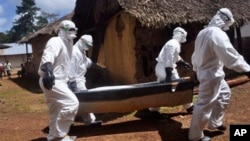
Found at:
(239, 40)
(27, 52)
(232, 83)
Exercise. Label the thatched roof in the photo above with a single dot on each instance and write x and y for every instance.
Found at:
(50, 29)
(150, 13)
(160, 13)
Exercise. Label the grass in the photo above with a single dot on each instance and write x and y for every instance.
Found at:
(14, 99)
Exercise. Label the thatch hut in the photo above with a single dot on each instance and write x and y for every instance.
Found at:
(128, 34)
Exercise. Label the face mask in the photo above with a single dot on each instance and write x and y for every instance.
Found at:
(227, 25)
(183, 39)
(82, 46)
(180, 37)
(71, 35)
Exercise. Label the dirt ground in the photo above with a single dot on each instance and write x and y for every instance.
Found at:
(23, 117)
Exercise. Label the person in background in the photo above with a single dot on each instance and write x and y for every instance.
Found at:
(54, 75)
(213, 50)
(8, 68)
(167, 61)
(79, 66)
(1, 70)
(4, 66)
(22, 72)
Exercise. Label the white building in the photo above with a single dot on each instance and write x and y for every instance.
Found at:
(16, 54)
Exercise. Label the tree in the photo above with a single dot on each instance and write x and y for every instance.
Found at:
(45, 18)
(51, 17)
(42, 21)
(31, 19)
(4, 37)
(26, 23)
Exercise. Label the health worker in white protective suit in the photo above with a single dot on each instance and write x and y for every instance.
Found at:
(79, 65)
(54, 75)
(213, 50)
(167, 61)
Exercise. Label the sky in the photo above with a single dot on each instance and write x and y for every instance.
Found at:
(8, 10)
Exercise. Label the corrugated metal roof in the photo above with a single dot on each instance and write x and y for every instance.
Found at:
(15, 49)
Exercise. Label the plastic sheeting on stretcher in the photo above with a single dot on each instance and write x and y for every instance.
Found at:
(128, 98)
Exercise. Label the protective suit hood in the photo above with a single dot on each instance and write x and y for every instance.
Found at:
(84, 43)
(180, 34)
(67, 30)
(222, 19)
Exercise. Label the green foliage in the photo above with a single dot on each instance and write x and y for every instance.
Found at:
(51, 17)
(28, 22)
(41, 22)
(5, 37)
(25, 24)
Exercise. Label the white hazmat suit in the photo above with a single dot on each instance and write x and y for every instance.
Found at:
(61, 101)
(79, 65)
(167, 59)
(212, 52)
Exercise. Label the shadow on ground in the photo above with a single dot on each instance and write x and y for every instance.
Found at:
(27, 83)
(167, 128)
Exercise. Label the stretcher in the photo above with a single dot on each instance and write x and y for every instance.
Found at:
(129, 98)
